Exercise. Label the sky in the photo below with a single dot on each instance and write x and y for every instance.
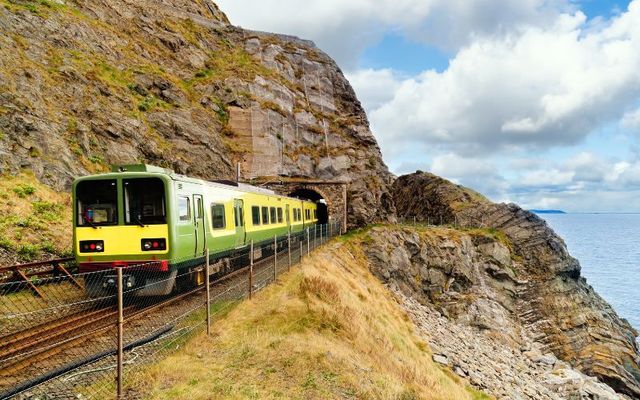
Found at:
(535, 102)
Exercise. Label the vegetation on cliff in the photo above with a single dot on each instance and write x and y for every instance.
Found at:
(87, 84)
(34, 219)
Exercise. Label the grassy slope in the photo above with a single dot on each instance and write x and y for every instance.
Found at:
(34, 219)
(329, 329)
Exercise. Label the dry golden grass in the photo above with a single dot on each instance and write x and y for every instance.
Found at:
(34, 219)
(327, 330)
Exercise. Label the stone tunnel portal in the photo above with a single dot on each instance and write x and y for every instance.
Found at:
(309, 194)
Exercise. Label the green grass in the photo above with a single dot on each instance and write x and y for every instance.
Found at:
(47, 210)
(24, 190)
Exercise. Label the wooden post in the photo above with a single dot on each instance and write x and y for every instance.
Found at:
(251, 271)
(120, 354)
(275, 257)
(301, 251)
(289, 249)
(208, 300)
(308, 240)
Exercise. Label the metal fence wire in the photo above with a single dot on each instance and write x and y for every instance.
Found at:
(91, 334)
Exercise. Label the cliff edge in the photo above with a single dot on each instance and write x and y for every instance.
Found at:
(541, 290)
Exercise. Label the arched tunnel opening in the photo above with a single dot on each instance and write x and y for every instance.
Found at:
(312, 195)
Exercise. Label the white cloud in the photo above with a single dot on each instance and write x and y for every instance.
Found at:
(538, 88)
(345, 28)
(479, 174)
(376, 87)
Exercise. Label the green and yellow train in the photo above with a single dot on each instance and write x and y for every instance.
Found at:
(159, 224)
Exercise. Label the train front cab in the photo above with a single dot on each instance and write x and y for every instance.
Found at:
(122, 220)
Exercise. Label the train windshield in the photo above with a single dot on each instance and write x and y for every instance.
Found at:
(144, 201)
(97, 203)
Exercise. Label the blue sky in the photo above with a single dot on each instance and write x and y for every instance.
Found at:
(531, 101)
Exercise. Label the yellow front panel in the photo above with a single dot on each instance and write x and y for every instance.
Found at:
(122, 240)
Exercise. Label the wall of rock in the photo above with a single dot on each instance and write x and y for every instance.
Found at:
(85, 84)
(542, 287)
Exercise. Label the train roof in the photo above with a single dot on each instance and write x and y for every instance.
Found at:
(152, 169)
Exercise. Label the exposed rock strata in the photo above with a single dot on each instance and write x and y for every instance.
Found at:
(542, 288)
(84, 84)
(503, 371)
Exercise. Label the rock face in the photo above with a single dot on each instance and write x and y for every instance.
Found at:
(506, 372)
(527, 276)
(171, 82)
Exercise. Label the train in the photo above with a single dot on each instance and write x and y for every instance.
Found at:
(158, 224)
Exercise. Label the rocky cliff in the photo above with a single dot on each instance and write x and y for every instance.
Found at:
(516, 278)
(85, 84)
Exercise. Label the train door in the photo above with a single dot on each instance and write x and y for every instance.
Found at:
(238, 216)
(199, 224)
(287, 220)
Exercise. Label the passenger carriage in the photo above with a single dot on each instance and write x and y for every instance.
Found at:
(159, 223)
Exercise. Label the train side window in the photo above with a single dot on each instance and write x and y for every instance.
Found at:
(315, 214)
(199, 208)
(298, 215)
(280, 215)
(239, 215)
(274, 216)
(265, 215)
(217, 216)
(255, 215)
(307, 214)
(184, 208)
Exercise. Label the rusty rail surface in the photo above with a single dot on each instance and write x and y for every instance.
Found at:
(24, 273)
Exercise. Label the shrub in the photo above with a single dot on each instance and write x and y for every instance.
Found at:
(24, 190)
(96, 159)
(48, 247)
(6, 243)
(28, 251)
(46, 210)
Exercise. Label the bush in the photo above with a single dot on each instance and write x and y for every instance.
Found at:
(48, 247)
(96, 159)
(46, 210)
(24, 190)
(28, 251)
(6, 243)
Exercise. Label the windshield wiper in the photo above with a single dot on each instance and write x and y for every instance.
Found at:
(139, 221)
(88, 221)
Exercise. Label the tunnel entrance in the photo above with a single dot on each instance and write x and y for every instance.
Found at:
(332, 195)
(309, 194)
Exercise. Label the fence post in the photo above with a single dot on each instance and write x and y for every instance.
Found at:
(275, 257)
(251, 271)
(289, 249)
(321, 228)
(120, 332)
(301, 250)
(208, 300)
(308, 240)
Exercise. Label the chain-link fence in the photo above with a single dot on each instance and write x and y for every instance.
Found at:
(92, 339)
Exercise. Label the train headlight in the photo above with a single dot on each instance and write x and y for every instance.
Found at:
(153, 244)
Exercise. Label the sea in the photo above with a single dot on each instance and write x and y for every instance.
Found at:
(608, 248)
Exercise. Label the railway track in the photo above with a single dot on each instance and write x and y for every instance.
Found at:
(30, 353)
